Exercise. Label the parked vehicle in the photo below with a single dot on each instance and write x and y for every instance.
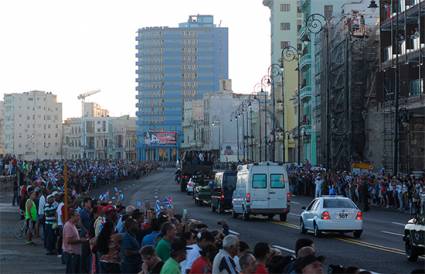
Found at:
(414, 234)
(261, 188)
(202, 191)
(332, 213)
(222, 191)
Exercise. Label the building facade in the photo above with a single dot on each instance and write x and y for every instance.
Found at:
(95, 110)
(400, 88)
(2, 128)
(285, 21)
(107, 138)
(33, 125)
(175, 65)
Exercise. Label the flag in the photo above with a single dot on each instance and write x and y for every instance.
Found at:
(157, 207)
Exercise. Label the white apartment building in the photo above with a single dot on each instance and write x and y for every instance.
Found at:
(1, 128)
(95, 110)
(106, 138)
(33, 125)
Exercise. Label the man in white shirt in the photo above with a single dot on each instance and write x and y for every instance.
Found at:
(223, 261)
(318, 182)
(40, 219)
(204, 239)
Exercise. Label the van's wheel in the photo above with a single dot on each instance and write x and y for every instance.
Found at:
(245, 216)
(357, 233)
(270, 216)
(234, 214)
(411, 251)
(302, 227)
(283, 217)
(317, 232)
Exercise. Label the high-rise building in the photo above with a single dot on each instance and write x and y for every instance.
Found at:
(175, 65)
(2, 128)
(33, 125)
(285, 21)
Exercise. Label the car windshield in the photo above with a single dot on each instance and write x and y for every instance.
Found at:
(338, 203)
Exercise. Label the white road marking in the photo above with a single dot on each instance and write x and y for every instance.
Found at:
(392, 233)
(8, 208)
(294, 214)
(295, 203)
(284, 248)
(395, 223)
(234, 232)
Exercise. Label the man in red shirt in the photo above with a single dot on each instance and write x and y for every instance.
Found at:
(203, 264)
(261, 253)
(71, 244)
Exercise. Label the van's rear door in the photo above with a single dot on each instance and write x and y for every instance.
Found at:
(277, 188)
(259, 191)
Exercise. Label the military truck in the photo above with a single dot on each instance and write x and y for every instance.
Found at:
(414, 233)
(196, 162)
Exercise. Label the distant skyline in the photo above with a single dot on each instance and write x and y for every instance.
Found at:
(70, 48)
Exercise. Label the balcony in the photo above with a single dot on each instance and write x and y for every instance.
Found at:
(305, 60)
(305, 92)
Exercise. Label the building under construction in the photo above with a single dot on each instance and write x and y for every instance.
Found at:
(344, 85)
(400, 85)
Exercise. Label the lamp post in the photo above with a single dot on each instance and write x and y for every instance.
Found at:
(289, 54)
(235, 116)
(264, 82)
(315, 23)
(274, 70)
(258, 99)
(218, 124)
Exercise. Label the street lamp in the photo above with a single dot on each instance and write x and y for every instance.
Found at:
(315, 23)
(289, 54)
(218, 124)
(274, 70)
(264, 81)
(236, 117)
(259, 119)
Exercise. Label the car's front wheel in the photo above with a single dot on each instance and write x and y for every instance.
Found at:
(411, 251)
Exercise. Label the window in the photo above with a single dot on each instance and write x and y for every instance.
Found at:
(259, 181)
(285, 7)
(338, 203)
(285, 26)
(277, 181)
(284, 44)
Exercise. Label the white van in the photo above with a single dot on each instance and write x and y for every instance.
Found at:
(261, 188)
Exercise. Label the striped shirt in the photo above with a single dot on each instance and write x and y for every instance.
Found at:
(50, 212)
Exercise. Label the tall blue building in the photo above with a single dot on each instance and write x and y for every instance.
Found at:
(174, 65)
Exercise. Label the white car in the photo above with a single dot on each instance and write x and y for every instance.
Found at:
(332, 214)
(190, 186)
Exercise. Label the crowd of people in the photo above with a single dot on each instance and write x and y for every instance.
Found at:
(100, 237)
(401, 192)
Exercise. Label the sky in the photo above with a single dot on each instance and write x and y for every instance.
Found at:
(71, 47)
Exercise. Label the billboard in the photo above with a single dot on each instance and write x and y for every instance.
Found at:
(160, 138)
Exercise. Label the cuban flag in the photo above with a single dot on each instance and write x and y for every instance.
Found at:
(157, 207)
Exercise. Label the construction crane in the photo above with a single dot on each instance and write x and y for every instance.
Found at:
(83, 97)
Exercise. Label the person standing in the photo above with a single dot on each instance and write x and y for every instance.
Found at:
(261, 253)
(163, 248)
(177, 255)
(31, 216)
(50, 223)
(318, 182)
(72, 243)
(223, 261)
(152, 264)
(86, 224)
(129, 248)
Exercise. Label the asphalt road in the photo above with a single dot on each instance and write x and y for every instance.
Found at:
(380, 249)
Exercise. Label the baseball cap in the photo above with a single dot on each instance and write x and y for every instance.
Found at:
(302, 262)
